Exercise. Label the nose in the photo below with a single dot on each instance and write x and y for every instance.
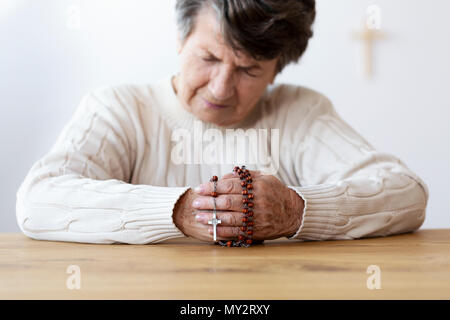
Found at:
(222, 84)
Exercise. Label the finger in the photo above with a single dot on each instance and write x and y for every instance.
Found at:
(229, 176)
(253, 173)
(227, 218)
(256, 173)
(225, 202)
(226, 232)
(229, 186)
(224, 185)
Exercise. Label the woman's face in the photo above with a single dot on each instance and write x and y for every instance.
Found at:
(215, 83)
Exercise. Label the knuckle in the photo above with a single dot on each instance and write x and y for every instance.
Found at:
(228, 219)
(228, 203)
(228, 186)
(227, 232)
(232, 219)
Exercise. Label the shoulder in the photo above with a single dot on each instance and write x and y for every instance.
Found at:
(284, 94)
(128, 99)
(296, 103)
(125, 95)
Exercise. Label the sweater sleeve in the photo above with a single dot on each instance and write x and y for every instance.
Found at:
(350, 190)
(78, 192)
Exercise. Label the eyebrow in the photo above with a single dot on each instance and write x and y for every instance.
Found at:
(253, 66)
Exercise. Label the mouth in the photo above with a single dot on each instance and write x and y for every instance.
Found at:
(214, 106)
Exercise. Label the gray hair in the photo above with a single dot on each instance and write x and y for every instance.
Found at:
(265, 29)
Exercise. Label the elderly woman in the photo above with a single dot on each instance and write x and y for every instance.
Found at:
(114, 174)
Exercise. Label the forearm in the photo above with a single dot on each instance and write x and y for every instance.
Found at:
(78, 191)
(350, 189)
(77, 209)
(362, 207)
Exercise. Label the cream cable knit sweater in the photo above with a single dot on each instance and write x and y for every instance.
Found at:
(109, 177)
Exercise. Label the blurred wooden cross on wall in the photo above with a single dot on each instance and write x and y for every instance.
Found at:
(368, 35)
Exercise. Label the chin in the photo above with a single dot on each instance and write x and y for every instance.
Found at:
(209, 119)
(218, 119)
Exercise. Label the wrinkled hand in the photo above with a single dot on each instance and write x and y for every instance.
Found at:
(184, 217)
(277, 209)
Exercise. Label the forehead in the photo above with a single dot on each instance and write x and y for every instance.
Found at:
(207, 35)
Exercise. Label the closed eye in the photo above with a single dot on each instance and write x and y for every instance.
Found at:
(210, 59)
(247, 71)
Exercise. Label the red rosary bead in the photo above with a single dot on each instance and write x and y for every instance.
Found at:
(244, 239)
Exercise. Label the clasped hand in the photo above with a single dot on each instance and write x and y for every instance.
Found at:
(277, 209)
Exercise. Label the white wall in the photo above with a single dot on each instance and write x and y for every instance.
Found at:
(46, 66)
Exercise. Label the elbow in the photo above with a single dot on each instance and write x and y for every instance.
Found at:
(404, 211)
(34, 213)
(23, 213)
(414, 201)
(416, 218)
(420, 196)
(413, 217)
(29, 217)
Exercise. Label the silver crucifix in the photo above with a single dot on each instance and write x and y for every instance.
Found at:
(214, 221)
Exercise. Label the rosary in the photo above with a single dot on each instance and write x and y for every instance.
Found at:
(246, 230)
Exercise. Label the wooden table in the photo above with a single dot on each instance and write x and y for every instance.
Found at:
(412, 266)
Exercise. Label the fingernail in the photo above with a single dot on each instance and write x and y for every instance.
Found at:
(199, 217)
(199, 189)
(196, 203)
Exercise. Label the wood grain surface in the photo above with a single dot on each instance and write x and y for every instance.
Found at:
(412, 266)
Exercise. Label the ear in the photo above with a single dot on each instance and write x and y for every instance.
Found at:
(179, 44)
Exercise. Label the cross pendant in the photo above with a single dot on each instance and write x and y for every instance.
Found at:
(214, 222)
